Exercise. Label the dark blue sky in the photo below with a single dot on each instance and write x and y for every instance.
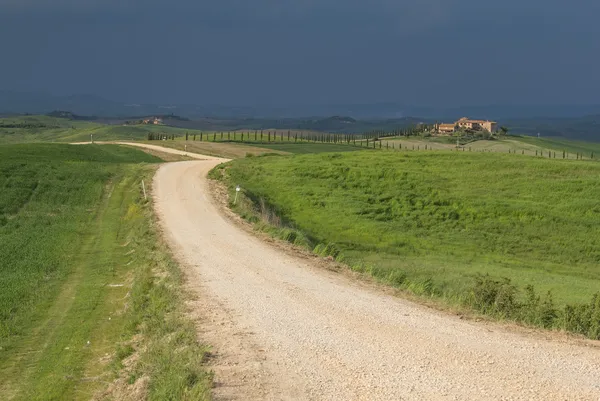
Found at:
(269, 52)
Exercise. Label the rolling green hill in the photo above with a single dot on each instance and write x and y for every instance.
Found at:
(24, 129)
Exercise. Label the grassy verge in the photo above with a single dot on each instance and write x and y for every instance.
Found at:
(166, 358)
(510, 236)
(89, 291)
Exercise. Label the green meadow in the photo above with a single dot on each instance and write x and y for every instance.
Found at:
(27, 129)
(449, 225)
(79, 256)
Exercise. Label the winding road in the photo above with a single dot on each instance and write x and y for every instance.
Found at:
(283, 328)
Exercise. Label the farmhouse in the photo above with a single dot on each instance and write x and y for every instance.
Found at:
(154, 121)
(467, 124)
(446, 128)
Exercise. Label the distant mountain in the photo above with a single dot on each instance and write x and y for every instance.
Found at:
(334, 123)
(82, 105)
(42, 103)
(569, 121)
(584, 128)
(70, 116)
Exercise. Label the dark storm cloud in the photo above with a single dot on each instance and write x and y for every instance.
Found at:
(242, 52)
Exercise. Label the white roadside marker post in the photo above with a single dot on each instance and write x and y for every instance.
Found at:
(237, 191)
(144, 189)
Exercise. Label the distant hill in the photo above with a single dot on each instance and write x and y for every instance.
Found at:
(335, 124)
(568, 121)
(582, 128)
(12, 102)
(70, 116)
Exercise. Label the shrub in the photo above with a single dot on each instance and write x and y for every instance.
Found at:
(547, 312)
(583, 319)
(494, 296)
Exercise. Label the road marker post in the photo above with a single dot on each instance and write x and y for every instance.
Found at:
(144, 189)
(237, 191)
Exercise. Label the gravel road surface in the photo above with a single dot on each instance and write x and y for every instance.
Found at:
(283, 328)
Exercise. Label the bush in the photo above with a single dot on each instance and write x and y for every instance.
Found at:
(494, 296)
(583, 319)
(536, 312)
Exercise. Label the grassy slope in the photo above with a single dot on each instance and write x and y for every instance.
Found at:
(560, 144)
(214, 145)
(303, 148)
(231, 150)
(519, 144)
(444, 216)
(41, 128)
(72, 224)
(51, 129)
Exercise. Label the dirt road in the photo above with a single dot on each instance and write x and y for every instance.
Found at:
(155, 148)
(284, 329)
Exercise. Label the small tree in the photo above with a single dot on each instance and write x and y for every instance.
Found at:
(503, 131)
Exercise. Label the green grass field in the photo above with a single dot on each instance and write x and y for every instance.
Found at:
(79, 256)
(558, 144)
(433, 221)
(42, 129)
(27, 129)
(304, 148)
(516, 144)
